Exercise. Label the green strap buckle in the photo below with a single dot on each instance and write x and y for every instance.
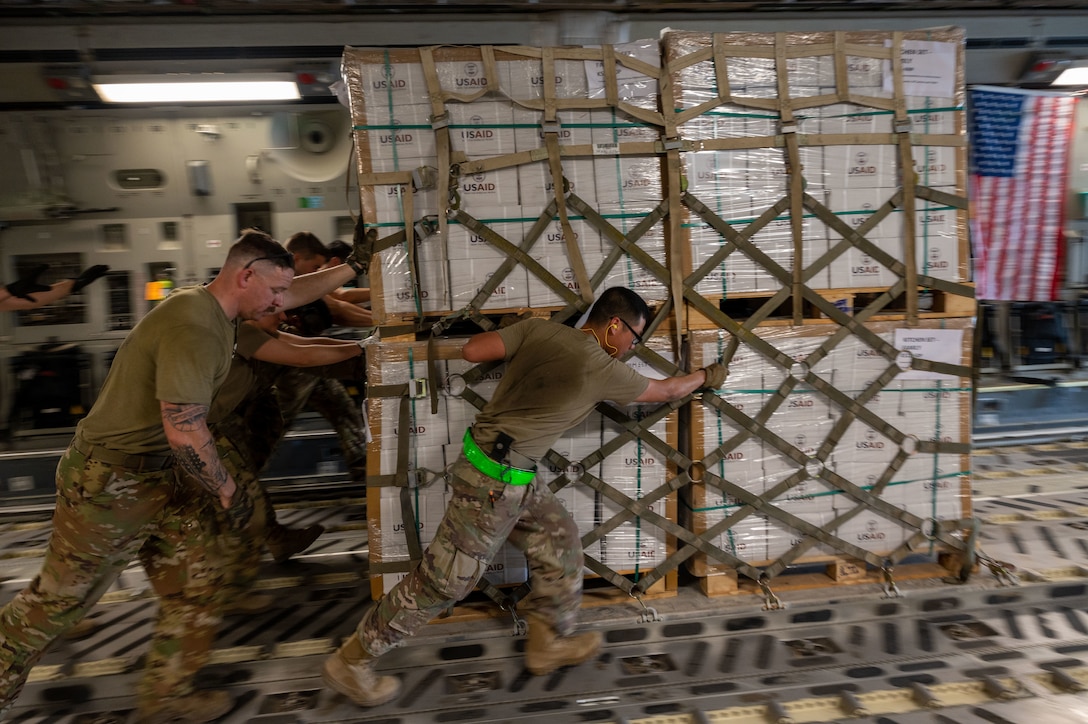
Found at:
(492, 469)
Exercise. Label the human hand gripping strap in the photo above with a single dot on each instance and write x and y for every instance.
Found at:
(362, 246)
(715, 376)
(240, 512)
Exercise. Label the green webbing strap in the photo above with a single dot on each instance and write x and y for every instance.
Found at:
(411, 525)
(941, 197)
(506, 599)
(432, 373)
(694, 542)
(411, 529)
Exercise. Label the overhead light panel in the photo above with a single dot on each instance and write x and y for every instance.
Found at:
(197, 88)
(1076, 74)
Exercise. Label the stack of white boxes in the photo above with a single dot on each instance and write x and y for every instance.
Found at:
(852, 180)
(923, 406)
(391, 113)
(852, 176)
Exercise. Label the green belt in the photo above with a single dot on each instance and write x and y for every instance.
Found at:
(492, 469)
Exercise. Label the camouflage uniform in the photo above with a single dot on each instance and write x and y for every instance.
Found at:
(227, 558)
(105, 516)
(296, 387)
(471, 533)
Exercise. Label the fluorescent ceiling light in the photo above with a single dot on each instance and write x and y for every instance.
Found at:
(1076, 75)
(197, 88)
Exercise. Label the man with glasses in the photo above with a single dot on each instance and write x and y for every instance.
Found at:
(555, 376)
(119, 497)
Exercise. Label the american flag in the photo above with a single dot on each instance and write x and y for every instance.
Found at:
(1020, 143)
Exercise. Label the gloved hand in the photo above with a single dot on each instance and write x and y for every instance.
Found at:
(88, 275)
(715, 376)
(240, 512)
(359, 258)
(27, 284)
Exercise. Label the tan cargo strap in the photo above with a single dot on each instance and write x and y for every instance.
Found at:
(787, 128)
(741, 240)
(550, 127)
(441, 126)
(515, 255)
(625, 244)
(405, 393)
(908, 177)
(670, 137)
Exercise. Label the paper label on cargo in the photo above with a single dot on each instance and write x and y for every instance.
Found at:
(937, 345)
(606, 149)
(929, 68)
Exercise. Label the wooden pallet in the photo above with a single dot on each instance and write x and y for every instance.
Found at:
(408, 328)
(842, 571)
(595, 592)
(850, 301)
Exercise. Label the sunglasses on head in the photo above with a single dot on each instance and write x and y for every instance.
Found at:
(281, 256)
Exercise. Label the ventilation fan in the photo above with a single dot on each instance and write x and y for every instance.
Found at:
(313, 147)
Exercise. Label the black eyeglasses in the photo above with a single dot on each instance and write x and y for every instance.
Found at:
(636, 335)
(283, 256)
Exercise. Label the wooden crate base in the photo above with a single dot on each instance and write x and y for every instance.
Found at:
(743, 305)
(595, 592)
(838, 572)
(410, 328)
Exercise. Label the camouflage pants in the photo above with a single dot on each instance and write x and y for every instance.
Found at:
(105, 516)
(238, 552)
(224, 560)
(470, 534)
(331, 400)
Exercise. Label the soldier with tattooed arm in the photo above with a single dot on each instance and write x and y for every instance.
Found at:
(121, 493)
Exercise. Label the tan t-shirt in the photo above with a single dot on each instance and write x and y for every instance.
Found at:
(555, 376)
(180, 352)
(242, 375)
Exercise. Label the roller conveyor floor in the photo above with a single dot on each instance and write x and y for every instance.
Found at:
(943, 652)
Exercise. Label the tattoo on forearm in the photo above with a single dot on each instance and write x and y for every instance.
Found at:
(186, 418)
(211, 479)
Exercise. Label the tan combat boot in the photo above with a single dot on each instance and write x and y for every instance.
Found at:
(546, 650)
(197, 708)
(350, 671)
(285, 542)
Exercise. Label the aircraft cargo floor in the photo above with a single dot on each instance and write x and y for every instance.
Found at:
(977, 652)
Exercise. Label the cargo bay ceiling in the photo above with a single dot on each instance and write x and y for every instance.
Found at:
(45, 44)
(99, 8)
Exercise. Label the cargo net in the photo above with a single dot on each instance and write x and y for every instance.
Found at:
(779, 165)
(824, 445)
(508, 178)
(824, 172)
(831, 443)
(783, 167)
(811, 162)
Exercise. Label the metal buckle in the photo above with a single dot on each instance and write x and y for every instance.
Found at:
(440, 121)
(418, 388)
